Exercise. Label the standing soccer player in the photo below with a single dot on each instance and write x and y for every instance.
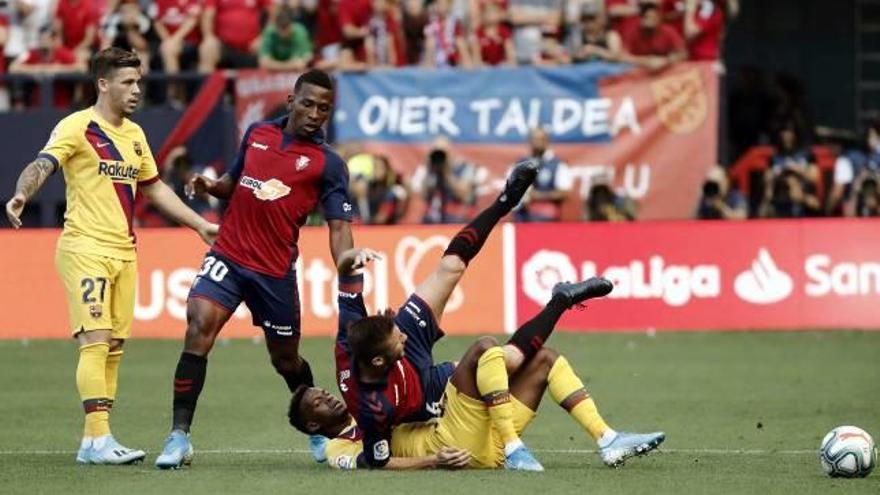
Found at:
(282, 172)
(105, 158)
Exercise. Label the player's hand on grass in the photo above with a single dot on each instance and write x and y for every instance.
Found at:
(209, 232)
(14, 207)
(199, 186)
(450, 458)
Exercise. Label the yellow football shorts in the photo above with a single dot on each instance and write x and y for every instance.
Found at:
(100, 292)
(465, 424)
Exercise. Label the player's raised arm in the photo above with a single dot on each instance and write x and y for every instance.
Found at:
(29, 182)
(336, 204)
(168, 203)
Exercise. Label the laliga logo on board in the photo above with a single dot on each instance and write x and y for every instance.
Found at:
(675, 285)
(763, 282)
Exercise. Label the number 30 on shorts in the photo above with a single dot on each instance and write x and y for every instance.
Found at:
(214, 268)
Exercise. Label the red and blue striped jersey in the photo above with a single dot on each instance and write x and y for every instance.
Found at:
(280, 179)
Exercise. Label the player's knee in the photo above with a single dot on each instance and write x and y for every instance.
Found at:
(452, 265)
(546, 357)
(483, 344)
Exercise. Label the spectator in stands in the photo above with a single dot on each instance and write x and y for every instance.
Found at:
(354, 19)
(231, 33)
(415, 18)
(328, 35)
(4, 37)
(128, 27)
(719, 201)
(543, 201)
(50, 58)
(791, 154)
(286, 44)
(592, 40)
(791, 179)
(651, 43)
(176, 23)
(537, 27)
(448, 185)
(704, 23)
(573, 10)
(672, 13)
(380, 194)
(77, 20)
(865, 201)
(855, 166)
(384, 43)
(445, 43)
(787, 196)
(623, 14)
(604, 205)
(492, 43)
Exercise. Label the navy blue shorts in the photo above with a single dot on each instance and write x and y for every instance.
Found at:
(273, 301)
(416, 319)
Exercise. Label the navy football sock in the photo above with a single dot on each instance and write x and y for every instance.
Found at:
(188, 382)
(300, 376)
(468, 241)
(530, 337)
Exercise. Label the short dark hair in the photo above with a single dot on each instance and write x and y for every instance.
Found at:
(316, 77)
(293, 412)
(366, 337)
(106, 61)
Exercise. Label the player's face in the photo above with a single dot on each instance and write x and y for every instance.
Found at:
(123, 90)
(322, 408)
(311, 107)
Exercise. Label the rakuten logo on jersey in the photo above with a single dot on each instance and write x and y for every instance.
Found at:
(674, 284)
(269, 190)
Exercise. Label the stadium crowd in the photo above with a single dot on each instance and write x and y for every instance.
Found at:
(170, 36)
(44, 37)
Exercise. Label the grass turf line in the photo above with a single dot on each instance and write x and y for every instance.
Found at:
(744, 412)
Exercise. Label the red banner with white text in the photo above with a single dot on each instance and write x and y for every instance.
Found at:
(761, 275)
(709, 275)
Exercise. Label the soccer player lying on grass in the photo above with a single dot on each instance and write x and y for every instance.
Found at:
(384, 366)
(491, 398)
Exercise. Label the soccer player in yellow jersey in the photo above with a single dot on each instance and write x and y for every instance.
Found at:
(492, 395)
(105, 159)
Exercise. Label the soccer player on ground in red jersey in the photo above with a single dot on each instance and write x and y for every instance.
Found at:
(385, 367)
(283, 170)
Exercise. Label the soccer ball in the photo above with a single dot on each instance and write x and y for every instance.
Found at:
(848, 452)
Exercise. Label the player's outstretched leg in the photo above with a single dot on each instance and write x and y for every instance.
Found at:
(466, 244)
(568, 391)
(547, 369)
(530, 337)
(98, 445)
(204, 321)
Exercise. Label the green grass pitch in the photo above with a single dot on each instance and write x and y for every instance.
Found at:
(744, 413)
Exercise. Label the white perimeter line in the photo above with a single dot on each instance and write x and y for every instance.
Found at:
(508, 255)
(548, 451)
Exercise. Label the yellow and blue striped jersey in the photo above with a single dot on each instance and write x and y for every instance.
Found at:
(103, 164)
